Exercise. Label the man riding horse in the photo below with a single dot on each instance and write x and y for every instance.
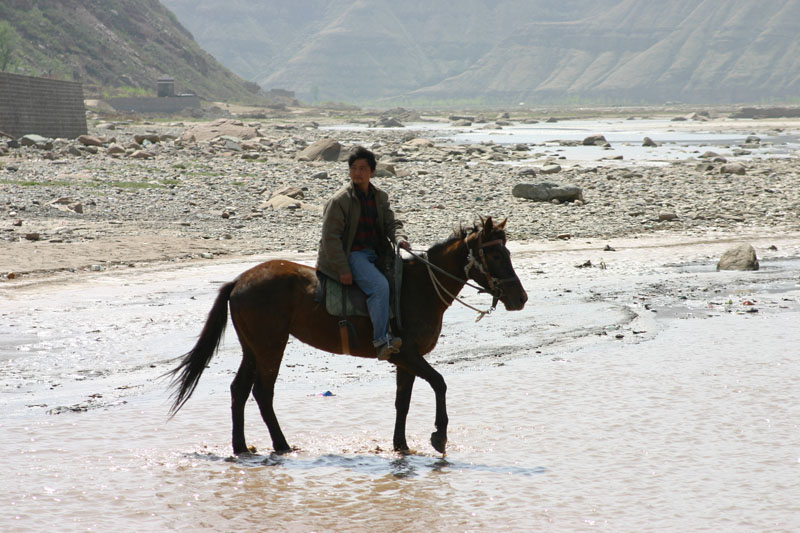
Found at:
(358, 226)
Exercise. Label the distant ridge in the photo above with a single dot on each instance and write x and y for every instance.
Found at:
(116, 46)
(509, 51)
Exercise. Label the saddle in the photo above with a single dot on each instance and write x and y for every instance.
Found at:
(349, 300)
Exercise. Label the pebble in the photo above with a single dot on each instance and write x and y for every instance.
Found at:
(192, 189)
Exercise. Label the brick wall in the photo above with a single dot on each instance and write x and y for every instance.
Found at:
(51, 108)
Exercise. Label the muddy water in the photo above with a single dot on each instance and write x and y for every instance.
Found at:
(586, 411)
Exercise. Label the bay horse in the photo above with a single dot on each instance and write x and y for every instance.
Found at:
(275, 299)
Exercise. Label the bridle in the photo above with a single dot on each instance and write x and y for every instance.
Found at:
(481, 265)
(494, 283)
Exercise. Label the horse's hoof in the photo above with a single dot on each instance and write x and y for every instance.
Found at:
(438, 441)
(241, 450)
(403, 450)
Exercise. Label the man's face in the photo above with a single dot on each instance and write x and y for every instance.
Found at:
(360, 173)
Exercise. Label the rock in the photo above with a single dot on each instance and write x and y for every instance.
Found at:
(461, 123)
(281, 201)
(741, 257)
(595, 140)
(386, 122)
(704, 167)
(547, 192)
(551, 120)
(385, 170)
(37, 141)
(211, 130)
(709, 155)
(322, 150)
(90, 140)
(67, 204)
(666, 217)
(527, 172)
(420, 142)
(115, 149)
(150, 137)
(292, 192)
(732, 168)
(33, 236)
(320, 175)
(551, 169)
(649, 143)
(142, 154)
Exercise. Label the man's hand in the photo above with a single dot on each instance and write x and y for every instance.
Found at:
(404, 244)
(346, 279)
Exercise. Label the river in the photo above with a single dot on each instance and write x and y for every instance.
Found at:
(654, 394)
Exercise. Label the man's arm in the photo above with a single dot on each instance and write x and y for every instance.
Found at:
(333, 227)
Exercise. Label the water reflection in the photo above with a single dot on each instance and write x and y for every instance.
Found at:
(399, 467)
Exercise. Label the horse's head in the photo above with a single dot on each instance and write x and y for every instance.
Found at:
(489, 264)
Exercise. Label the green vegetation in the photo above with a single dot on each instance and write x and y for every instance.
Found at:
(9, 40)
(95, 184)
(113, 47)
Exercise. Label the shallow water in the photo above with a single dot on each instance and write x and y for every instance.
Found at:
(675, 141)
(558, 426)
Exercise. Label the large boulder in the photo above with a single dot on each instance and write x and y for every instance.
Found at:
(595, 140)
(386, 122)
(321, 150)
(211, 130)
(551, 168)
(37, 141)
(733, 168)
(90, 140)
(547, 192)
(741, 257)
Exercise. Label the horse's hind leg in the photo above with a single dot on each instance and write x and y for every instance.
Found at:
(240, 391)
(269, 363)
(405, 384)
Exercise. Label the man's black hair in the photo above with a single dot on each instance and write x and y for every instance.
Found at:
(362, 153)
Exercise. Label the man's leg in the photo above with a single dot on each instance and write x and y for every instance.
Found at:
(374, 284)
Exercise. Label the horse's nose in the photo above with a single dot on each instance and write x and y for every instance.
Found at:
(523, 297)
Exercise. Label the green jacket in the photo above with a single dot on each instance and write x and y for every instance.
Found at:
(339, 224)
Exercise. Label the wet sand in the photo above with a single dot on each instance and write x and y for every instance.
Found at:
(654, 394)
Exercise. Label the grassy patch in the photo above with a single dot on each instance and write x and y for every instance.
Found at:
(91, 184)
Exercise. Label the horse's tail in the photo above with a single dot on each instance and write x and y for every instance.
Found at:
(186, 376)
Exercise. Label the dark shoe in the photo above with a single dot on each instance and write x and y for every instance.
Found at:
(391, 347)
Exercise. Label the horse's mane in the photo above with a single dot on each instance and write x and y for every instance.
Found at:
(460, 232)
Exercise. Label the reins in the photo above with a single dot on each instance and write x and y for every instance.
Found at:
(483, 268)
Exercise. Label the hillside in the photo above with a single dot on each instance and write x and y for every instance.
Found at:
(536, 51)
(116, 47)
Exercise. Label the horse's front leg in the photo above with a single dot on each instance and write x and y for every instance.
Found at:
(418, 366)
(405, 384)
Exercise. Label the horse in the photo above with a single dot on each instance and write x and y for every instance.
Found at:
(275, 299)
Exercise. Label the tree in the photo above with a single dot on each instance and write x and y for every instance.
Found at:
(8, 43)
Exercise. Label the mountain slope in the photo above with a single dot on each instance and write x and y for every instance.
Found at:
(116, 44)
(636, 51)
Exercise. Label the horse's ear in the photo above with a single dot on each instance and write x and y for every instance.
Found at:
(501, 226)
(487, 225)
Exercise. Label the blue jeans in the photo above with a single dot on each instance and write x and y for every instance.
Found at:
(375, 285)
